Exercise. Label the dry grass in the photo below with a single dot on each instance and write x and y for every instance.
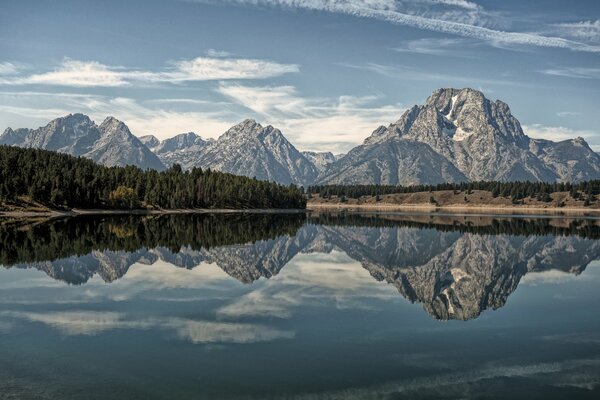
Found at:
(478, 199)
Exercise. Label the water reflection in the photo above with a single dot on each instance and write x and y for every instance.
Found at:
(455, 266)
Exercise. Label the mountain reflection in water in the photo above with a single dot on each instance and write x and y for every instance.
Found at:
(455, 266)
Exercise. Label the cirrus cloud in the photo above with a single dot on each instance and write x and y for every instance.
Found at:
(460, 24)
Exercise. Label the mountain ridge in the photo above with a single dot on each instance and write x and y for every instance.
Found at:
(456, 135)
(111, 143)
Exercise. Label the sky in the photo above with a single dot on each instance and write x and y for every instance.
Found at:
(327, 73)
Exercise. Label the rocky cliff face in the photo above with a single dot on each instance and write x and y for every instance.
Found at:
(252, 150)
(111, 143)
(480, 138)
(183, 149)
(320, 160)
(150, 141)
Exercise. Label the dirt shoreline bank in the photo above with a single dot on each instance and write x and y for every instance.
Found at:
(76, 212)
(420, 208)
(484, 209)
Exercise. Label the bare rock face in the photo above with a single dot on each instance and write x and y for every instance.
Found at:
(393, 161)
(118, 147)
(320, 160)
(111, 143)
(480, 138)
(150, 141)
(252, 150)
(183, 149)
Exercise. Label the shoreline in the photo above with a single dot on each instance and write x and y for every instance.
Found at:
(79, 212)
(316, 207)
(482, 209)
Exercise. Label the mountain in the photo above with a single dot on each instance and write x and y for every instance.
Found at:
(150, 141)
(458, 134)
(111, 143)
(252, 150)
(183, 149)
(118, 147)
(395, 161)
(320, 159)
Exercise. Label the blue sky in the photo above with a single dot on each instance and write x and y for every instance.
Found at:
(327, 73)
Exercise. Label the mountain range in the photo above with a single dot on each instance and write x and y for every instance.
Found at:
(457, 135)
(111, 143)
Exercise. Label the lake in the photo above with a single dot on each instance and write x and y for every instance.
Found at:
(300, 306)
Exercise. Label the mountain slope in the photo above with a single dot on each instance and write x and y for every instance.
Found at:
(478, 137)
(320, 160)
(118, 147)
(250, 149)
(111, 143)
(393, 161)
(183, 149)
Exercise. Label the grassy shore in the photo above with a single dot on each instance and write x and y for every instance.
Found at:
(454, 201)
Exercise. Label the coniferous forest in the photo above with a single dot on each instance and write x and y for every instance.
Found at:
(514, 190)
(62, 181)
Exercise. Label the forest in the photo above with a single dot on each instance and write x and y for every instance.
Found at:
(514, 190)
(61, 181)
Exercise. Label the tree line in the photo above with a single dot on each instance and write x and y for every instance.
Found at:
(64, 182)
(515, 190)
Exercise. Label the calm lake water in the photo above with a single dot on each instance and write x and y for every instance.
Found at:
(320, 306)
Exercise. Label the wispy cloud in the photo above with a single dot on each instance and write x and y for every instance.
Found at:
(568, 113)
(574, 72)
(9, 68)
(78, 73)
(467, 5)
(557, 133)
(453, 47)
(412, 73)
(218, 53)
(392, 12)
(335, 124)
(75, 73)
(161, 118)
(583, 30)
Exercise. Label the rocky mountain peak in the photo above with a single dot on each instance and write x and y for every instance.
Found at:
(150, 141)
(110, 144)
(579, 141)
(246, 128)
(172, 150)
(472, 138)
(320, 159)
(111, 125)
